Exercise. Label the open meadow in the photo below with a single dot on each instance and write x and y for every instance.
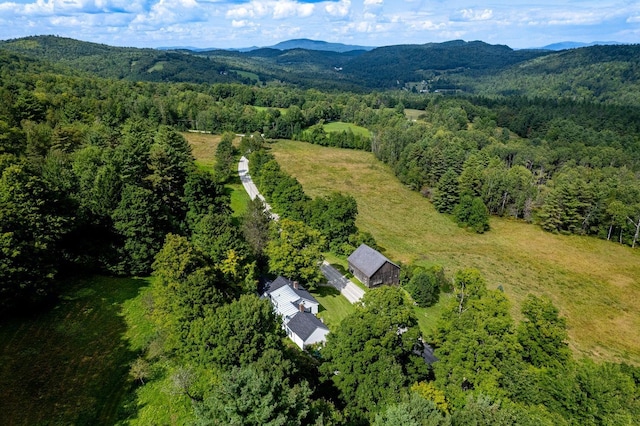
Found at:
(594, 283)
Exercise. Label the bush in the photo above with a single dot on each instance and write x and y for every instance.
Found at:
(424, 288)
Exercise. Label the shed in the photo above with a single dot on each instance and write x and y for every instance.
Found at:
(372, 268)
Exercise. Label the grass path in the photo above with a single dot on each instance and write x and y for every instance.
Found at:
(595, 283)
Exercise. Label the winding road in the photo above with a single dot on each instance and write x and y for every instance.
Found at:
(251, 188)
(347, 288)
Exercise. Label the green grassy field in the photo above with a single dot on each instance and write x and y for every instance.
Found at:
(69, 364)
(334, 307)
(339, 126)
(594, 283)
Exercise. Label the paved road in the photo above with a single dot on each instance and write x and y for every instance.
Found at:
(352, 292)
(250, 187)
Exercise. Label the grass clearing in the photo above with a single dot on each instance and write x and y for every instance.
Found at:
(413, 114)
(339, 126)
(70, 363)
(203, 146)
(334, 307)
(594, 283)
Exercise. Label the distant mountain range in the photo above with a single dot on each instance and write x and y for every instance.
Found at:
(307, 44)
(561, 69)
(300, 43)
(563, 45)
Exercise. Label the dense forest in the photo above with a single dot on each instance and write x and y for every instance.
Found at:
(97, 178)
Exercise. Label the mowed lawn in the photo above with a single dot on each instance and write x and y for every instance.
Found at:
(594, 283)
(69, 364)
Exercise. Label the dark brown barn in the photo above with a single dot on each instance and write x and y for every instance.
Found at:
(372, 268)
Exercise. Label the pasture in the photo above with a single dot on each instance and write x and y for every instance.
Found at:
(594, 283)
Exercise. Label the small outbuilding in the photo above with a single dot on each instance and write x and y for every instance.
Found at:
(372, 268)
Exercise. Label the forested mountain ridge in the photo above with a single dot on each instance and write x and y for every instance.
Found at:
(126, 63)
(609, 74)
(595, 73)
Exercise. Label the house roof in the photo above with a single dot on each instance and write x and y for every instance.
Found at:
(367, 260)
(280, 282)
(304, 324)
(286, 299)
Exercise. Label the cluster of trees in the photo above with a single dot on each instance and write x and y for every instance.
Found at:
(566, 175)
(523, 374)
(333, 216)
(343, 139)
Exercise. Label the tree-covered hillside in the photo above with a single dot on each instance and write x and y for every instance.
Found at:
(122, 63)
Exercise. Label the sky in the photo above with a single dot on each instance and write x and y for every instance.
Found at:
(245, 23)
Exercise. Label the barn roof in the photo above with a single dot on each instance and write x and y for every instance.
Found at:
(304, 324)
(367, 260)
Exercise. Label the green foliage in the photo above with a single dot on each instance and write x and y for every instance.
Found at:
(370, 357)
(415, 411)
(295, 252)
(236, 334)
(225, 156)
(476, 341)
(251, 396)
(424, 288)
(471, 212)
(446, 194)
(32, 223)
(543, 334)
(136, 221)
(334, 216)
(590, 394)
(255, 227)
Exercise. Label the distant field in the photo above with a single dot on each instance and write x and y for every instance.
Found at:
(204, 147)
(282, 110)
(69, 364)
(250, 75)
(339, 126)
(413, 114)
(595, 283)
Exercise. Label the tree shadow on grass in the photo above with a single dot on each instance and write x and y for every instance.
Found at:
(326, 291)
(70, 363)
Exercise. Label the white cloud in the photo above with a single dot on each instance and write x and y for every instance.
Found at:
(288, 9)
(373, 2)
(429, 26)
(339, 9)
(476, 15)
(276, 9)
(633, 19)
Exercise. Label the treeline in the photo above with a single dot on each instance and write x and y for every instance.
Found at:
(333, 215)
(566, 175)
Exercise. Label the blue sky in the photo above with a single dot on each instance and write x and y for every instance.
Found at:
(240, 23)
